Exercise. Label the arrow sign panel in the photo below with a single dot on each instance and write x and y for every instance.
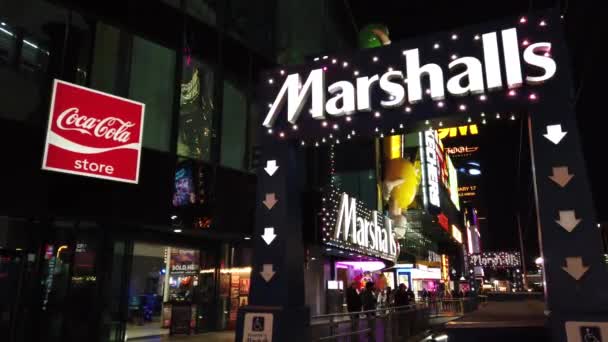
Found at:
(271, 167)
(270, 201)
(561, 176)
(568, 220)
(574, 267)
(267, 272)
(269, 235)
(555, 134)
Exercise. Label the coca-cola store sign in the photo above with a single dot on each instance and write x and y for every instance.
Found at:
(93, 134)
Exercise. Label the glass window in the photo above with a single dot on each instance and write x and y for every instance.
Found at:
(196, 110)
(152, 79)
(234, 124)
(33, 50)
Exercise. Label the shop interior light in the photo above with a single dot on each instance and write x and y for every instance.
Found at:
(3, 23)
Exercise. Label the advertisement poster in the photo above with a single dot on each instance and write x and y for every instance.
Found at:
(244, 286)
(224, 284)
(93, 134)
(184, 261)
(184, 187)
(234, 296)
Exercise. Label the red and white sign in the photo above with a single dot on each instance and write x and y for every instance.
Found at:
(93, 134)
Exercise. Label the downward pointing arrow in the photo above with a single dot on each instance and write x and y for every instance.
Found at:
(270, 200)
(271, 167)
(568, 220)
(561, 176)
(555, 134)
(269, 235)
(267, 272)
(574, 267)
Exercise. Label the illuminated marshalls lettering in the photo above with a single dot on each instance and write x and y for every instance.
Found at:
(431, 167)
(347, 97)
(414, 74)
(347, 218)
(315, 85)
(344, 92)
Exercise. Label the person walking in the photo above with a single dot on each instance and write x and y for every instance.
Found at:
(402, 300)
(369, 301)
(353, 305)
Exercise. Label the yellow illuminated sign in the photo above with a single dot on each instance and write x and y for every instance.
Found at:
(462, 131)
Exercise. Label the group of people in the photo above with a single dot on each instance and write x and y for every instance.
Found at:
(372, 298)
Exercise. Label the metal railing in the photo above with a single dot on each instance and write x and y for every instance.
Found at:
(452, 307)
(385, 324)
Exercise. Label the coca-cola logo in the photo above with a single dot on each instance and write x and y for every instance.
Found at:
(110, 128)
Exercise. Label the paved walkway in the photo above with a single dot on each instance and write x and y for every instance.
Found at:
(223, 336)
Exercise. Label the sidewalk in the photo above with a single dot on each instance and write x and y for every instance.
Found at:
(223, 336)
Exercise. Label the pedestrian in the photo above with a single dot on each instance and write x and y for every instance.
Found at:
(425, 294)
(353, 300)
(368, 297)
(353, 305)
(410, 295)
(401, 296)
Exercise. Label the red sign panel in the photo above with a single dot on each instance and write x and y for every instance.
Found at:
(93, 134)
(443, 222)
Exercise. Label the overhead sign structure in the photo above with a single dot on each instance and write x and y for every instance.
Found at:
(516, 65)
(93, 134)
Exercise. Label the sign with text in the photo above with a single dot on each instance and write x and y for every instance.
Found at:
(495, 259)
(258, 327)
(351, 226)
(93, 134)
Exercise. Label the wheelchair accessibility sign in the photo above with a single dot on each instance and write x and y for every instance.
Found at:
(258, 327)
(587, 331)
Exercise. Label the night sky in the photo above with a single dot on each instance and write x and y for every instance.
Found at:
(505, 194)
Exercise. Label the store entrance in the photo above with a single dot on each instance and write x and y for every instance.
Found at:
(169, 293)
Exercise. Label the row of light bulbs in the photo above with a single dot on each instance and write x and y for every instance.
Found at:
(436, 46)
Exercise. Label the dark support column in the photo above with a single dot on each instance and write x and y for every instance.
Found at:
(277, 277)
(574, 271)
